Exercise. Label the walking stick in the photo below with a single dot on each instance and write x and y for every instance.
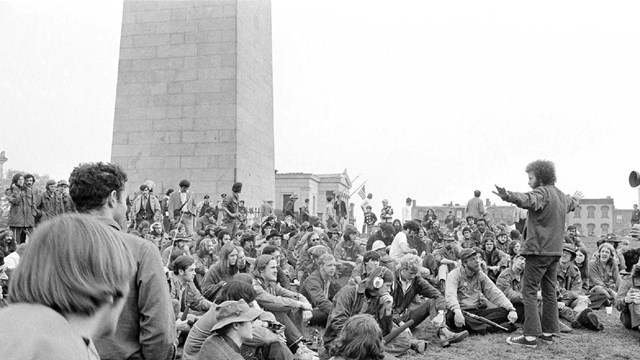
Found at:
(484, 320)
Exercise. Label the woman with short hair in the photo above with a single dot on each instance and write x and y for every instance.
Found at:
(70, 288)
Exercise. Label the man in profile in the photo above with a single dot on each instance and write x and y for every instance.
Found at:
(146, 327)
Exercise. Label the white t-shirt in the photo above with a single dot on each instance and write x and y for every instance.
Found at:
(399, 246)
(406, 214)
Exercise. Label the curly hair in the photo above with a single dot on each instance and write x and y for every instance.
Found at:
(360, 339)
(544, 170)
(90, 184)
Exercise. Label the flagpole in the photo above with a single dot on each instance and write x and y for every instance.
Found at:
(358, 188)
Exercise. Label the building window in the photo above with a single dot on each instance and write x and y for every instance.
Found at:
(591, 212)
(578, 227)
(605, 228)
(605, 212)
(591, 229)
(576, 212)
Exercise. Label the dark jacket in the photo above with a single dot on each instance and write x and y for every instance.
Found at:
(146, 327)
(48, 205)
(419, 286)
(569, 280)
(314, 288)
(544, 230)
(22, 211)
(350, 301)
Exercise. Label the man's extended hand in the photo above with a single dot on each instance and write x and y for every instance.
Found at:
(578, 195)
(502, 192)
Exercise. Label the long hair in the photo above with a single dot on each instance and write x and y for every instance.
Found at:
(260, 264)
(544, 170)
(227, 270)
(15, 178)
(612, 251)
(202, 248)
(584, 267)
(360, 339)
(73, 265)
(512, 247)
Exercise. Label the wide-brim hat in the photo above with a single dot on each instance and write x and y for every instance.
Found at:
(230, 312)
(294, 196)
(569, 248)
(612, 238)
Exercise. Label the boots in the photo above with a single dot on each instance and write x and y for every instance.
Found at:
(448, 337)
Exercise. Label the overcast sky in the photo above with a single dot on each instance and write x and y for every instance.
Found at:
(429, 100)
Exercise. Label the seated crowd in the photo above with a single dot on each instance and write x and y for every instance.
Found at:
(240, 290)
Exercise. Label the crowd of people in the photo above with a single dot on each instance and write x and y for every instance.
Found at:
(197, 280)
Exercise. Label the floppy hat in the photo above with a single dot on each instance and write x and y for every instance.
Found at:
(230, 312)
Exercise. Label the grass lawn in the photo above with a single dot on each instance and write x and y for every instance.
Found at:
(614, 342)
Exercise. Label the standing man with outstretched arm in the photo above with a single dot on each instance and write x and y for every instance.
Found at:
(544, 238)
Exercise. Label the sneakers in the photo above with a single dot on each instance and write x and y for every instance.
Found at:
(521, 340)
(547, 339)
(448, 337)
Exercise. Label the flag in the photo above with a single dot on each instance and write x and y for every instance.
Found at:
(362, 193)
